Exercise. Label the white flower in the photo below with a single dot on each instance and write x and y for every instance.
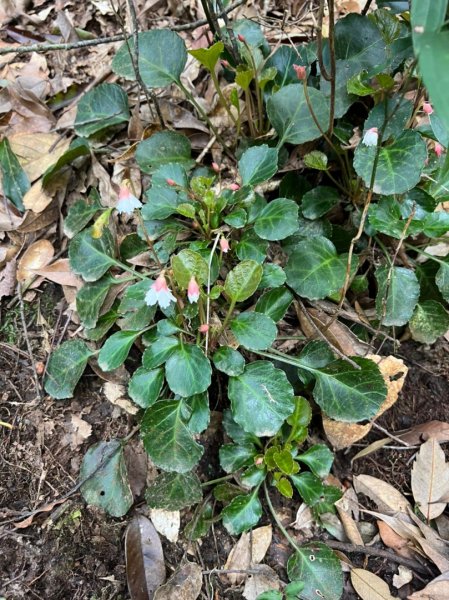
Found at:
(193, 291)
(159, 293)
(371, 136)
(127, 202)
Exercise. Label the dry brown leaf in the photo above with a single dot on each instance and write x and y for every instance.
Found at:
(59, 272)
(8, 279)
(442, 523)
(38, 151)
(185, 584)
(393, 540)
(250, 549)
(37, 256)
(266, 579)
(430, 479)
(116, 393)
(437, 554)
(78, 431)
(341, 435)
(350, 527)
(386, 497)
(400, 523)
(37, 221)
(166, 522)
(304, 520)
(46, 508)
(404, 576)
(438, 430)
(373, 447)
(369, 586)
(438, 589)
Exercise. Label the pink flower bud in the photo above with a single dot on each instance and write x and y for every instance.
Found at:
(438, 149)
(258, 461)
(225, 64)
(170, 181)
(241, 38)
(224, 245)
(204, 328)
(427, 108)
(234, 187)
(215, 167)
(371, 137)
(301, 72)
(193, 291)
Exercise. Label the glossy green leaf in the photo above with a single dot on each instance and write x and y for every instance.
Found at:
(90, 298)
(187, 264)
(91, 257)
(188, 371)
(208, 57)
(275, 303)
(284, 462)
(78, 147)
(243, 280)
(237, 433)
(399, 165)
(278, 220)
(65, 367)
(258, 164)
(237, 218)
(79, 215)
(242, 513)
(309, 487)
(100, 108)
(115, 350)
(429, 321)
(199, 412)
(397, 295)
(319, 568)
(396, 111)
(290, 115)
(316, 160)
(319, 201)
(252, 477)
(159, 352)
(319, 459)
(163, 148)
(317, 355)
(284, 487)
(442, 280)
(253, 330)
(251, 247)
(328, 498)
(283, 59)
(107, 486)
(261, 398)
(162, 58)
(145, 386)
(15, 181)
(174, 491)
(162, 202)
(136, 314)
(273, 276)
(234, 456)
(389, 216)
(228, 361)
(167, 439)
(315, 270)
(104, 324)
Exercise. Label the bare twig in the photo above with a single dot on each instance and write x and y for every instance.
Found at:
(28, 344)
(333, 74)
(367, 6)
(319, 42)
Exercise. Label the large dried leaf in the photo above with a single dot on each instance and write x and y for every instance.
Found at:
(59, 272)
(37, 256)
(438, 589)
(393, 540)
(185, 584)
(250, 549)
(430, 479)
(438, 430)
(145, 567)
(38, 151)
(167, 523)
(369, 586)
(386, 497)
(264, 580)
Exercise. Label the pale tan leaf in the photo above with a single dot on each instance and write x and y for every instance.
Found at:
(38, 151)
(373, 447)
(350, 527)
(341, 435)
(437, 554)
(78, 431)
(166, 522)
(369, 586)
(430, 479)
(37, 198)
(404, 576)
(8, 279)
(266, 579)
(442, 523)
(116, 394)
(393, 540)
(304, 520)
(59, 272)
(386, 497)
(438, 430)
(250, 549)
(438, 589)
(37, 256)
(400, 523)
(185, 584)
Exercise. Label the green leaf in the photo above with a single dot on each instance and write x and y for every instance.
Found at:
(442, 280)
(162, 58)
(100, 108)
(163, 148)
(145, 386)
(14, 179)
(159, 352)
(242, 513)
(243, 76)
(78, 147)
(65, 367)
(397, 296)
(284, 487)
(328, 498)
(243, 280)
(316, 160)
(317, 355)
(399, 165)
(254, 330)
(390, 217)
(309, 487)
(115, 350)
(162, 202)
(319, 459)
(273, 276)
(235, 432)
(104, 324)
(233, 456)
(136, 312)
(261, 398)
(284, 462)
(237, 218)
(199, 412)
(315, 270)
(90, 298)
(79, 215)
(291, 118)
(167, 439)
(275, 303)
(91, 257)
(251, 247)
(258, 164)
(319, 201)
(107, 486)
(208, 57)
(283, 60)
(252, 476)
(429, 321)
(187, 264)
(229, 361)
(188, 371)
(319, 568)
(278, 220)
(174, 491)
(398, 111)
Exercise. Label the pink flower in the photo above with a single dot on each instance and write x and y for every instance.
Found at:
(215, 167)
(225, 64)
(371, 137)
(241, 38)
(170, 181)
(438, 149)
(234, 187)
(300, 71)
(224, 245)
(193, 291)
(427, 108)
(204, 328)
(159, 293)
(127, 202)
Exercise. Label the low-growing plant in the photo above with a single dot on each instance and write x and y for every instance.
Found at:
(214, 264)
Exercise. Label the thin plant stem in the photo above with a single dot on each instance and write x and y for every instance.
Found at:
(218, 480)
(147, 238)
(223, 101)
(289, 538)
(319, 41)
(209, 268)
(227, 318)
(330, 4)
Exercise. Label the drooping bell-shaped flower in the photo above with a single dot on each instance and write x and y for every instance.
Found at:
(234, 187)
(371, 137)
(127, 202)
(427, 108)
(204, 328)
(159, 293)
(438, 149)
(301, 72)
(224, 245)
(193, 291)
